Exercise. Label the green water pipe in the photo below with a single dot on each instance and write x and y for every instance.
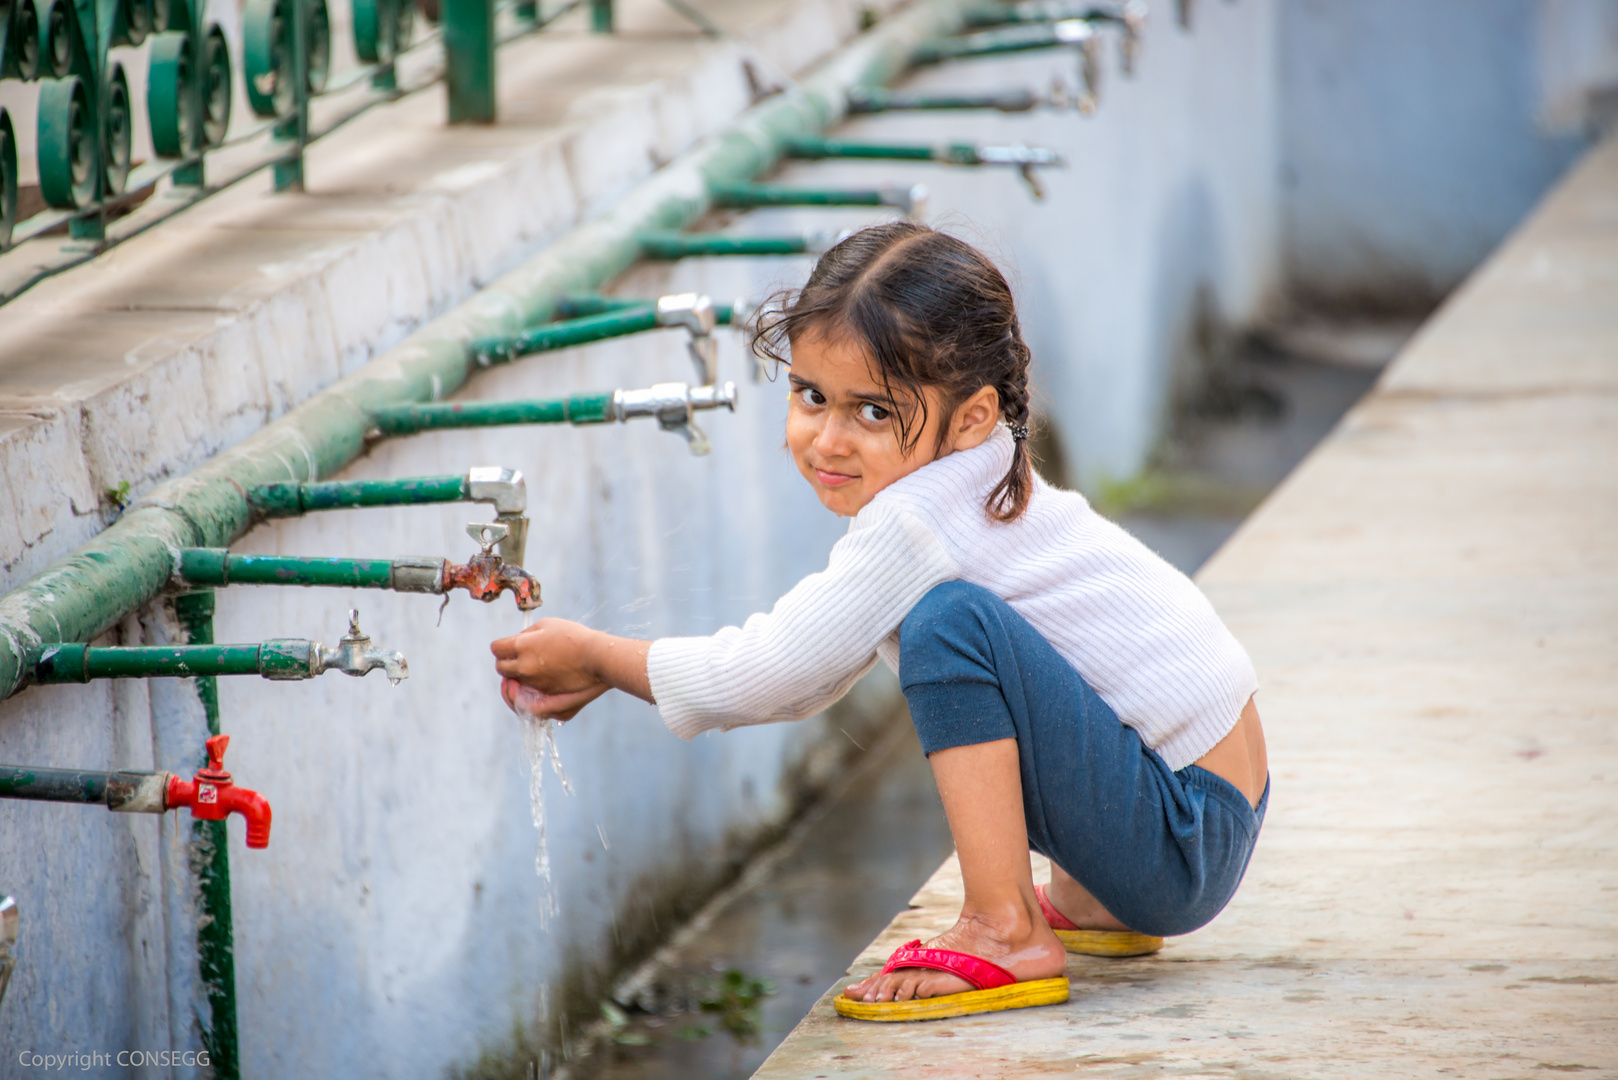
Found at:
(129, 563)
(817, 148)
(504, 489)
(563, 335)
(291, 499)
(577, 304)
(690, 311)
(1012, 39)
(673, 405)
(209, 858)
(413, 419)
(669, 244)
(216, 566)
(278, 658)
(907, 200)
(1042, 11)
(877, 99)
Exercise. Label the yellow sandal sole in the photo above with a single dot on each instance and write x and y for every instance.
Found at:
(1021, 995)
(1109, 942)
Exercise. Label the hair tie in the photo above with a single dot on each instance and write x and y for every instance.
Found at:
(1019, 432)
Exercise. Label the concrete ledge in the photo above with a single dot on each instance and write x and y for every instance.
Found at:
(147, 361)
(1432, 603)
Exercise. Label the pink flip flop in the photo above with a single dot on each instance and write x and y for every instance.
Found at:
(1095, 942)
(996, 988)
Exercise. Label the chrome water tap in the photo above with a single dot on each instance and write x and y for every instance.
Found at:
(506, 490)
(696, 313)
(355, 655)
(675, 405)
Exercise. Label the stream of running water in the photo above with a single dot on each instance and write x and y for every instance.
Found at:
(539, 741)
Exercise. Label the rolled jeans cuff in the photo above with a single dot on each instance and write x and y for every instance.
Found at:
(948, 714)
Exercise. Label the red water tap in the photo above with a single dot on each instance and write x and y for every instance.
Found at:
(213, 796)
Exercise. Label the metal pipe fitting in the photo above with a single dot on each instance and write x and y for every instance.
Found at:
(211, 795)
(276, 659)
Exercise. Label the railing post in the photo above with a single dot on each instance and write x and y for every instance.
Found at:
(288, 172)
(469, 60)
(601, 16)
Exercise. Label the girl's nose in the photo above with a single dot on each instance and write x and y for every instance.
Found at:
(832, 438)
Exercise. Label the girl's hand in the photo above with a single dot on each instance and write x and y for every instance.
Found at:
(555, 668)
(526, 701)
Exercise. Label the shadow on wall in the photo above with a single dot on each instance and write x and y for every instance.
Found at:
(1415, 136)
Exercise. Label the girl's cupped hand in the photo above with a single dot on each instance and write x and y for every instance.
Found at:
(547, 671)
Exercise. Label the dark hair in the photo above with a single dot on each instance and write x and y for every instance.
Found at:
(930, 310)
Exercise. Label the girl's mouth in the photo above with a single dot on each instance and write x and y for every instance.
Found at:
(833, 479)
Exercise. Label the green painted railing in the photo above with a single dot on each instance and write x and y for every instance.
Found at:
(85, 114)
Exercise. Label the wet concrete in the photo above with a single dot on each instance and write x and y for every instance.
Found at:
(799, 915)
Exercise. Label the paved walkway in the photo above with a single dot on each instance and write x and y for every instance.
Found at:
(1432, 602)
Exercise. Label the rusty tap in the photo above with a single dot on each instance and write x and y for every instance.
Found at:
(486, 575)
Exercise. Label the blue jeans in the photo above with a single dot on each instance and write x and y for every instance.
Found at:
(1163, 851)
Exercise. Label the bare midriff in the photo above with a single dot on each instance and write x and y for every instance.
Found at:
(1240, 756)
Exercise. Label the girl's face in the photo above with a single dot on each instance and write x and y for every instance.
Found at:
(840, 424)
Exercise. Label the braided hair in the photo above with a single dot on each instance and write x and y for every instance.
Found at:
(931, 311)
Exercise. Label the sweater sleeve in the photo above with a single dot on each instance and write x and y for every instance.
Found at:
(814, 644)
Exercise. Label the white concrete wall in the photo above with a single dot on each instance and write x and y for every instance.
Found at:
(393, 926)
(1415, 135)
(1170, 190)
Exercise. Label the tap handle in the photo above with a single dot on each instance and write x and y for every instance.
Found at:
(487, 534)
(354, 630)
(216, 752)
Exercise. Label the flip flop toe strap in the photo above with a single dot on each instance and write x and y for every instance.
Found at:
(979, 972)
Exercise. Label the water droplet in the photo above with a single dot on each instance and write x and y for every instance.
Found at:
(395, 680)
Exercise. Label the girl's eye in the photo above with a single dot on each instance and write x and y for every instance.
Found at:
(874, 414)
(810, 396)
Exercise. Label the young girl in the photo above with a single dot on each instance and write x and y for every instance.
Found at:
(1075, 694)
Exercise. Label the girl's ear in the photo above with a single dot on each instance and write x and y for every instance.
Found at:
(975, 419)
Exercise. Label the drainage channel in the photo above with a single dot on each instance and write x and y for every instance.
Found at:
(732, 984)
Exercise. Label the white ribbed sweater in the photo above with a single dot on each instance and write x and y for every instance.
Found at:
(1137, 629)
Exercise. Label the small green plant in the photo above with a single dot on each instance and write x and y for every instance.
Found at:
(622, 1033)
(118, 496)
(737, 1001)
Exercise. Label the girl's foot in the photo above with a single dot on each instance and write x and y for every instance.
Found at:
(1024, 946)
